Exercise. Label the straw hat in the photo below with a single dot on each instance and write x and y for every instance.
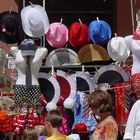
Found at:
(60, 57)
(91, 53)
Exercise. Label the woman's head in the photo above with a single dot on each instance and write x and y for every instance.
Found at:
(100, 102)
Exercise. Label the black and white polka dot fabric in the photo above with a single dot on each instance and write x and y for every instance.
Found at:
(30, 95)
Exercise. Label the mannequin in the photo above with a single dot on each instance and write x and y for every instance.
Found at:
(133, 42)
(132, 130)
(20, 90)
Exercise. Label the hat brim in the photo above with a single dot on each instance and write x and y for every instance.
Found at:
(110, 74)
(84, 82)
(25, 23)
(19, 35)
(60, 57)
(67, 90)
(50, 87)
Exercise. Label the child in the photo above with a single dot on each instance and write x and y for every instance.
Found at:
(53, 123)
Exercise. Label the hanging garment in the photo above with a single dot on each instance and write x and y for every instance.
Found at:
(122, 103)
(82, 111)
(135, 83)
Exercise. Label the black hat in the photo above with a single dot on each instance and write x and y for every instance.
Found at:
(10, 27)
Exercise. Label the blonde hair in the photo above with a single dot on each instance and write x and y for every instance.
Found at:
(101, 100)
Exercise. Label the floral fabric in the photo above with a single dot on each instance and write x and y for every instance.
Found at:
(106, 130)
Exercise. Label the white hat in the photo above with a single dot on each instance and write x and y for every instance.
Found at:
(74, 137)
(117, 49)
(35, 20)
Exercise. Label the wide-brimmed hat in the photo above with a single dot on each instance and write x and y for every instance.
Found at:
(84, 82)
(10, 27)
(60, 57)
(99, 31)
(68, 86)
(50, 87)
(81, 128)
(92, 52)
(28, 47)
(57, 35)
(110, 74)
(35, 20)
(117, 49)
(78, 34)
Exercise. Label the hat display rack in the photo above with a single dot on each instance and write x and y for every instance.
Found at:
(91, 72)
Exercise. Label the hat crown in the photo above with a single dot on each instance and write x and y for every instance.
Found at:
(57, 33)
(57, 36)
(35, 21)
(80, 127)
(100, 32)
(10, 24)
(118, 46)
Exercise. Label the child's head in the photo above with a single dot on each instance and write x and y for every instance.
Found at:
(53, 121)
(54, 117)
(100, 102)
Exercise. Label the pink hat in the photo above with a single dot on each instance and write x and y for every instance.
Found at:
(57, 36)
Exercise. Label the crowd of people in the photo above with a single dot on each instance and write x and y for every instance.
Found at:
(100, 102)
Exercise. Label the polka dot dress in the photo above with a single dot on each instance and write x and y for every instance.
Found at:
(30, 95)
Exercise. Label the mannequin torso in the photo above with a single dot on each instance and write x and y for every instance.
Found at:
(35, 63)
(134, 46)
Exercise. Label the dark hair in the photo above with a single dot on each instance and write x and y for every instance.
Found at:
(55, 118)
(101, 100)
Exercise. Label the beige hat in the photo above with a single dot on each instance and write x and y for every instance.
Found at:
(92, 52)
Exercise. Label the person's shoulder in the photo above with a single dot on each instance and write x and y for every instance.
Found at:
(50, 138)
